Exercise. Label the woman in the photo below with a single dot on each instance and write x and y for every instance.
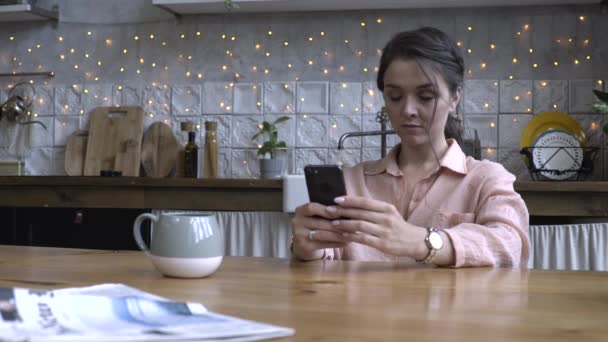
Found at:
(425, 200)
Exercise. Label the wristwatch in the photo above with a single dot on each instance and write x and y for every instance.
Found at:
(434, 242)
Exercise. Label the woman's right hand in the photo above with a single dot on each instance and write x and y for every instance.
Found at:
(313, 231)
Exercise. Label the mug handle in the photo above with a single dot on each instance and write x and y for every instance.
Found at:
(137, 230)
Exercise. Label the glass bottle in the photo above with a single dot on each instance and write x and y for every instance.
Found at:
(191, 157)
(211, 153)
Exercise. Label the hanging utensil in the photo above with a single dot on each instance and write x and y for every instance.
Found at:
(17, 107)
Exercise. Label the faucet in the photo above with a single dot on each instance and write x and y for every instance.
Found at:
(382, 118)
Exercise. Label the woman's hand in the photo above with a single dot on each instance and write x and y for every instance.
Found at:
(379, 225)
(313, 231)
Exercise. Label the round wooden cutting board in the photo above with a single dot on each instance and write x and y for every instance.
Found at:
(75, 151)
(159, 150)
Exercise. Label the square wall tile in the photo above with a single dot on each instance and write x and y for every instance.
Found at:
(96, 95)
(64, 126)
(480, 97)
(345, 98)
(510, 127)
(489, 154)
(279, 97)
(157, 100)
(550, 96)
(175, 122)
(224, 128)
(217, 97)
(309, 156)
(44, 102)
(248, 126)
(513, 161)
(582, 96)
(58, 162)
(312, 98)
(248, 98)
(372, 98)
(592, 125)
(312, 130)
(515, 96)
(39, 162)
(486, 126)
(40, 136)
(346, 157)
(245, 163)
(186, 100)
(369, 123)
(286, 129)
(127, 95)
(370, 154)
(340, 124)
(68, 100)
(224, 160)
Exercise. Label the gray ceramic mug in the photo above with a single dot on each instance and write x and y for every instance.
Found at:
(182, 245)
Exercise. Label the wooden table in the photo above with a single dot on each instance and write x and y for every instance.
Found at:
(350, 301)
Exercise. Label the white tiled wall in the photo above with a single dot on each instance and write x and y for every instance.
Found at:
(319, 112)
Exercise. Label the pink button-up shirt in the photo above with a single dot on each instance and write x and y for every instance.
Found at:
(472, 201)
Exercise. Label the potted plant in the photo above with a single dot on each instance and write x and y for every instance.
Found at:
(272, 162)
(601, 106)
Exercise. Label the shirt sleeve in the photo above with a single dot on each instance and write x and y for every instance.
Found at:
(499, 235)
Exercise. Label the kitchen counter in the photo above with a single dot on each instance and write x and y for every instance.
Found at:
(579, 199)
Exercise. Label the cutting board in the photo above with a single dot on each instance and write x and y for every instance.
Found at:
(159, 150)
(115, 135)
(75, 152)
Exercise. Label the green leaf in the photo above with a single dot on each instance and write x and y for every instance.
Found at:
(257, 135)
(600, 107)
(281, 119)
(601, 95)
(281, 144)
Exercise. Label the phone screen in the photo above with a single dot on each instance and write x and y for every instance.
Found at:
(324, 183)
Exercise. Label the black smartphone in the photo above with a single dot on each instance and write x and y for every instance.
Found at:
(324, 183)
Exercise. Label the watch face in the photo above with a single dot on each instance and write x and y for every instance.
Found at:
(435, 240)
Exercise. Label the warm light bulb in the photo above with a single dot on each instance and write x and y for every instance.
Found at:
(379, 20)
(182, 36)
(516, 98)
(526, 27)
(556, 63)
(486, 105)
(89, 33)
(136, 38)
(322, 33)
(483, 65)
(535, 65)
(270, 33)
(492, 124)
(365, 70)
(581, 18)
(514, 60)
(470, 28)
(310, 39)
(576, 61)
(588, 57)
(469, 51)
(531, 50)
(286, 43)
(310, 62)
(60, 39)
(341, 68)
(151, 36)
(362, 24)
(198, 33)
(544, 84)
(492, 46)
(459, 43)
(224, 67)
(325, 71)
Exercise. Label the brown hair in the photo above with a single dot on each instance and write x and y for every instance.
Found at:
(433, 50)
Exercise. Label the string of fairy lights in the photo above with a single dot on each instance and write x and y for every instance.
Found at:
(86, 60)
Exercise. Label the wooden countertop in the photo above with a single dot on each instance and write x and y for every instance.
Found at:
(542, 198)
(350, 301)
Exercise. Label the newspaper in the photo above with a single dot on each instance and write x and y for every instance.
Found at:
(116, 312)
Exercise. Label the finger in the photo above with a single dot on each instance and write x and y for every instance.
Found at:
(307, 223)
(356, 214)
(312, 209)
(363, 203)
(357, 226)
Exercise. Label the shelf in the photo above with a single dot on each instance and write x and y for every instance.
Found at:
(188, 7)
(25, 13)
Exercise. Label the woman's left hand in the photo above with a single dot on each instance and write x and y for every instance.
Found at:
(379, 225)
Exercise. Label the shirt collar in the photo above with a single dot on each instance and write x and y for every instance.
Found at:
(454, 159)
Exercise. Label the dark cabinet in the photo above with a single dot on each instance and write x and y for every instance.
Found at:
(70, 227)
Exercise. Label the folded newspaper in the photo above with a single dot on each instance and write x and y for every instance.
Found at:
(116, 312)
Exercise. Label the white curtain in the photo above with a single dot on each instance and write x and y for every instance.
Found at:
(252, 233)
(569, 247)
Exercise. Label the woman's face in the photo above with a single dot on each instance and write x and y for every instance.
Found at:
(410, 98)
